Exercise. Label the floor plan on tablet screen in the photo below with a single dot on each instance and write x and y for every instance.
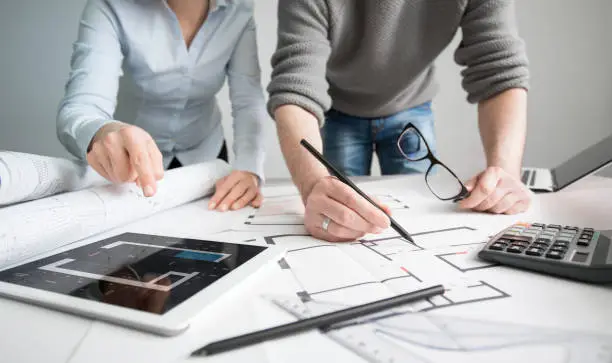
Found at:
(143, 272)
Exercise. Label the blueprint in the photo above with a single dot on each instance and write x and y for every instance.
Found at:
(487, 313)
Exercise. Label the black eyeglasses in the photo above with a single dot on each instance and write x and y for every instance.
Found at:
(441, 181)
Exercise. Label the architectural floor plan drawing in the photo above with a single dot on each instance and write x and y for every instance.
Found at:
(470, 322)
(376, 267)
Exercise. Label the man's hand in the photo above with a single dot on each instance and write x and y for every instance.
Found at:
(235, 191)
(124, 153)
(496, 191)
(351, 216)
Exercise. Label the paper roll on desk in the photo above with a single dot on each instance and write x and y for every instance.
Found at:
(33, 227)
(25, 177)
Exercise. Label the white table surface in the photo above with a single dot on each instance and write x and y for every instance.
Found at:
(36, 335)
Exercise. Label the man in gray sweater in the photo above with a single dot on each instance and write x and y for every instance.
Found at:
(363, 69)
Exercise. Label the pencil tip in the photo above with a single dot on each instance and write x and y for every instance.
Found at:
(199, 352)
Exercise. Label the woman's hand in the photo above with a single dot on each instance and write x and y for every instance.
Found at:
(235, 191)
(124, 153)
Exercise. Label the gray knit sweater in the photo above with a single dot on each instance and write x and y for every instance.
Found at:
(373, 58)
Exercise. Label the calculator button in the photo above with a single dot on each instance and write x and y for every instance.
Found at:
(558, 249)
(517, 238)
(566, 235)
(498, 246)
(583, 242)
(544, 240)
(588, 229)
(537, 225)
(534, 251)
(526, 239)
(555, 255)
(515, 249)
(504, 240)
(571, 228)
(554, 226)
(560, 244)
(561, 240)
(539, 245)
(586, 236)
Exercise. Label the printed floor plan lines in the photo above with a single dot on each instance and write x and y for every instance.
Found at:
(288, 210)
(331, 272)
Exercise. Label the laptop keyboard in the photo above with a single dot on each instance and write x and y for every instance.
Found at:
(528, 177)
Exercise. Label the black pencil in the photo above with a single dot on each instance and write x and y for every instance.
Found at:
(402, 232)
(318, 322)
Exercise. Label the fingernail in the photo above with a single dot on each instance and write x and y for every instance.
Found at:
(148, 190)
(378, 230)
(212, 205)
(223, 207)
(235, 206)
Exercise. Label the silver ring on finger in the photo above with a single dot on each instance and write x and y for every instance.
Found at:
(325, 224)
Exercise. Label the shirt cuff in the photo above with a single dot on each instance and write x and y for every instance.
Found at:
(253, 163)
(86, 133)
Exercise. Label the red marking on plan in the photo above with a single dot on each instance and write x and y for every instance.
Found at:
(462, 253)
(405, 269)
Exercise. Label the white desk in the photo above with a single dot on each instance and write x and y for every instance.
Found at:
(32, 334)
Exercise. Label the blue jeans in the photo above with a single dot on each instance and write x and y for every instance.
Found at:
(349, 142)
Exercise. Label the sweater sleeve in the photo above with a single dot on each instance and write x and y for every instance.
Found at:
(300, 60)
(491, 50)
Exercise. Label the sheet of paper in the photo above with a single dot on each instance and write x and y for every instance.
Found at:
(38, 226)
(486, 313)
(25, 177)
(490, 297)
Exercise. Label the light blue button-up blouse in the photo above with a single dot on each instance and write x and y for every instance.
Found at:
(176, 85)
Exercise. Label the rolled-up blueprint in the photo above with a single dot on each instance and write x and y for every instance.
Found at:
(25, 177)
(30, 228)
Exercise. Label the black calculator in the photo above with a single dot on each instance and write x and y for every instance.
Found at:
(582, 254)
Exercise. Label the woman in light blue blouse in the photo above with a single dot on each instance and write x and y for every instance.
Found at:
(179, 54)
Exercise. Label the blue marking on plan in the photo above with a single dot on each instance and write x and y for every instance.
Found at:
(199, 256)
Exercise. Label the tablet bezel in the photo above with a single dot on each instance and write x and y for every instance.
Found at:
(171, 323)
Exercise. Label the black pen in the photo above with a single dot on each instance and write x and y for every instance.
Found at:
(321, 322)
(402, 232)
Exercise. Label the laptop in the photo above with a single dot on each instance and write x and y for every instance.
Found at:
(583, 164)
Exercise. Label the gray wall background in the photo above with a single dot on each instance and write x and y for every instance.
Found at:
(570, 103)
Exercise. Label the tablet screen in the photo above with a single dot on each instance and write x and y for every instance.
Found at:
(142, 272)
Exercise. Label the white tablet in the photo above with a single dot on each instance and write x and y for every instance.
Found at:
(151, 283)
